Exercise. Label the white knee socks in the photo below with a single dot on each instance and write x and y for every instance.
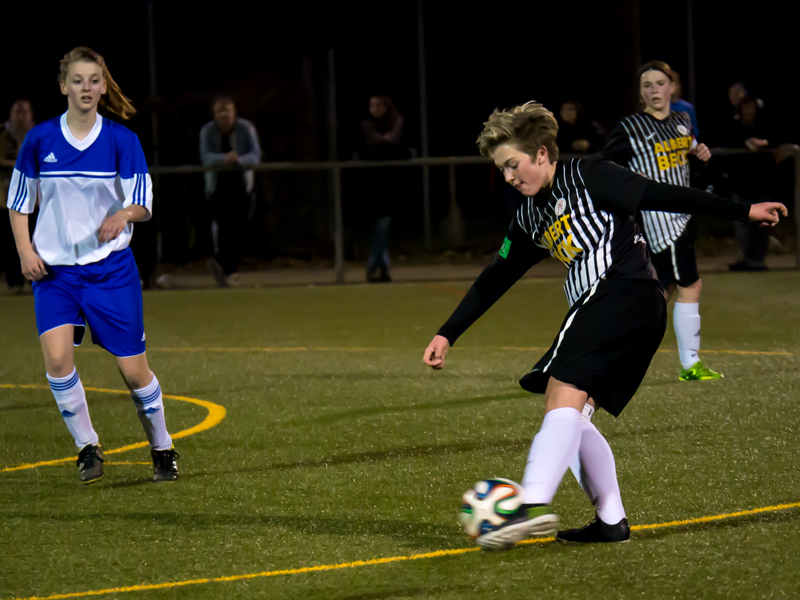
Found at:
(596, 471)
(552, 449)
(686, 320)
(150, 409)
(71, 400)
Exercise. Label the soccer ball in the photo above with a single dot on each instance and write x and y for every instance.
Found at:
(489, 504)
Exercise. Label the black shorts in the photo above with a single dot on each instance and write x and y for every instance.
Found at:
(606, 343)
(677, 263)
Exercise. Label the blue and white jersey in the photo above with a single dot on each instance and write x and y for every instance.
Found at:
(78, 184)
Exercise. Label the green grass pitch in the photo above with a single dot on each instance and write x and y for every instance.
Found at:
(351, 450)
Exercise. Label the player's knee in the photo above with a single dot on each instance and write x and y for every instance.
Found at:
(690, 293)
(59, 365)
(138, 378)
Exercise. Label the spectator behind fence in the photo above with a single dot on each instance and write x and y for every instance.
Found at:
(751, 178)
(680, 105)
(12, 134)
(382, 131)
(738, 92)
(576, 133)
(233, 142)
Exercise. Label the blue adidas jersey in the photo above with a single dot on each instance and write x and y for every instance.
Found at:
(78, 183)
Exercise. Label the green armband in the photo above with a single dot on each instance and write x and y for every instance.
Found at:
(505, 248)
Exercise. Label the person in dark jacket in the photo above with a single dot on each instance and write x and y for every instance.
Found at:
(576, 133)
(382, 131)
(751, 178)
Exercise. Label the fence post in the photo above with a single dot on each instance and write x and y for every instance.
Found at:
(796, 208)
(338, 234)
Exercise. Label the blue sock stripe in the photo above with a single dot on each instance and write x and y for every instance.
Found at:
(151, 398)
(62, 386)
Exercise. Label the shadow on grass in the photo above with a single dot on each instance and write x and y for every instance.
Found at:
(379, 410)
(504, 445)
(412, 534)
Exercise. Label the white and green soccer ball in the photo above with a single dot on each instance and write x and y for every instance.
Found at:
(489, 504)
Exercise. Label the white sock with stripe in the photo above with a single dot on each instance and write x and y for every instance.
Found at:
(551, 452)
(686, 320)
(150, 409)
(71, 400)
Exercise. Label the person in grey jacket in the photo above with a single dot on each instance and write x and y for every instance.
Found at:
(231, 141)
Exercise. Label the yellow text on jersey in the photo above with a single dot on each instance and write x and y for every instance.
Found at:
(558, 239)
(672, 152)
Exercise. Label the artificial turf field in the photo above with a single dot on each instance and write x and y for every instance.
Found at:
(337, 445)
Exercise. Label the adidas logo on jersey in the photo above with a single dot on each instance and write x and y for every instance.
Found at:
(50, 158)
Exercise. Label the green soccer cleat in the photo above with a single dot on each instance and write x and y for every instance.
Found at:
(699, 372)
(537, 520)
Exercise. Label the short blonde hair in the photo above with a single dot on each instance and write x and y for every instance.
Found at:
(528, 127)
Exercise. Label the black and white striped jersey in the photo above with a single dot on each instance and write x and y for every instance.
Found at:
(659, 150)
(585, 220)
(573, 228)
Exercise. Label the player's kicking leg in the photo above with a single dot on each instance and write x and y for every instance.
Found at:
(552, 450)
(146, 395)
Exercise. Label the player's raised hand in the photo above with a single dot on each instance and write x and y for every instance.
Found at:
(702, 152)
(32, 266)
(435, 352)
(767, 213)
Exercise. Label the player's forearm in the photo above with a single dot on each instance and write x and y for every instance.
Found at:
(22, 237)
(676, 199)
(134, 213)
(491, 284)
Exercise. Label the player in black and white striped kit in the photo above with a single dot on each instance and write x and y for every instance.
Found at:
(579, 211)
(657, 143)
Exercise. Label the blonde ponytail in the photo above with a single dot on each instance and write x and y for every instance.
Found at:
(114, 100)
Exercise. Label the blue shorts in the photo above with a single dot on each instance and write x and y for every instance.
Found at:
(107, 295)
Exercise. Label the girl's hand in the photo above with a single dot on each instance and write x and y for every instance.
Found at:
(435, 352)
(112, 226)
(33, 267)
(767, 213)
(702, 152)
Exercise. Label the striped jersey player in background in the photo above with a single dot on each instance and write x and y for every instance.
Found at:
(90, 178)
(657, 142)
(579, 211)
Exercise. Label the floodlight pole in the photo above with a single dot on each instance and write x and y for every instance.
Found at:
(690, 44)
(423, 124)
(151, 42)
(336, 171)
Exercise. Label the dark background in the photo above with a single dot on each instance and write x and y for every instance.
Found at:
(273, 58)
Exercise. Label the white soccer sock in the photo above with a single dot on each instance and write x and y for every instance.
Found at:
(686, 320)
(552, 449)
(150, 408)
(599, 474)
(575, 465)
(71, 400)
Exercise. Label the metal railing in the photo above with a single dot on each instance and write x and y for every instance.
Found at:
(335, 168)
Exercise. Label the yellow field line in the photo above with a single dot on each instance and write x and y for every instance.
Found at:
(387, 560)
(215, 415)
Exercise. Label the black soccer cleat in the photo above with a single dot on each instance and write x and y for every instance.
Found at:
(165, 465)
(596, 532)
(90, 463)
